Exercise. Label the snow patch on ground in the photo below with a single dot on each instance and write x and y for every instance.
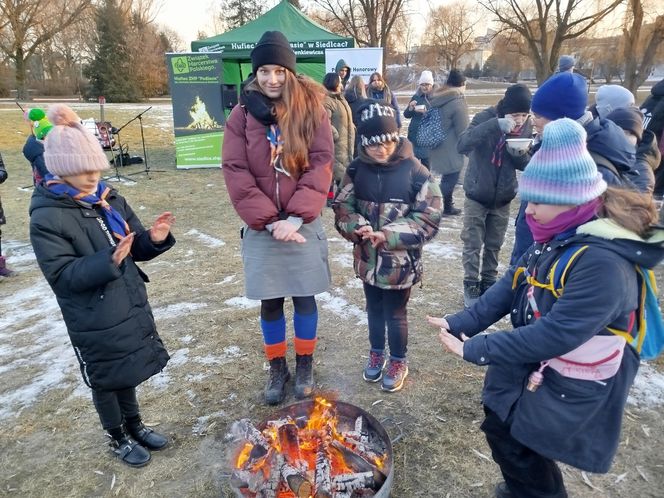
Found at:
(203, 424)
(648, 388)
(176, 310)
(206, 239)
(442, 250)
(242, 303)
(342, 308)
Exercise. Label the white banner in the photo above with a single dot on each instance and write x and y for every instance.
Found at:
(362, 61)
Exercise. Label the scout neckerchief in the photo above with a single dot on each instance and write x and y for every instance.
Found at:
(116, 222)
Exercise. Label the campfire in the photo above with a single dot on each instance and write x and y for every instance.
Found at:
(312, 451)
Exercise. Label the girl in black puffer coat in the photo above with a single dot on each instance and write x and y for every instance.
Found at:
(87, 239)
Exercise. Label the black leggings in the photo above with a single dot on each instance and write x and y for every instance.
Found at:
(273, 309)
(114, 407)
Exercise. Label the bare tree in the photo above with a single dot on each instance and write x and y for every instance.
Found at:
(451, 28)
(28, 24)
(368, 21)
(641, 42)
(546, 24)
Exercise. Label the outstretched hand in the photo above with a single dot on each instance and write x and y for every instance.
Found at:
(449, 342)
(122, 249)
(162, 227)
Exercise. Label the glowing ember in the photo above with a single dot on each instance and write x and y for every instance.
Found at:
(308, 457)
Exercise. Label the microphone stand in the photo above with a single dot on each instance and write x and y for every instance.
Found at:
(146, 169)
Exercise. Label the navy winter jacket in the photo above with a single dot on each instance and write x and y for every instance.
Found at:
(570, 420)
(33, 150)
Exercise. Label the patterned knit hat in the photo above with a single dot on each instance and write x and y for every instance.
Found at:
(561, 172)
(563, 95)
(70, 149)
(273, 48)
(40, 124)
(378, 124)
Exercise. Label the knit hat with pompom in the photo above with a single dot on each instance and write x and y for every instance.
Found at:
(40, 124)
(70, 149)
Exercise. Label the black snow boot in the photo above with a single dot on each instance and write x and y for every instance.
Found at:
(485, 284)
(275, 390)
(304, 376)
(127, 450)
(146, 437)
(471, 292)
(448, 206)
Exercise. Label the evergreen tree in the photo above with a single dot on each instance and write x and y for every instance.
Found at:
(476, 70)
(237, 13)
(110, 71)
(468, 71)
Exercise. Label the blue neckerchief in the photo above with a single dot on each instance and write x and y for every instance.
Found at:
(116, 222)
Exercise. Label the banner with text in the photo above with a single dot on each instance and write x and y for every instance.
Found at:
(362, 61)
(198, 115)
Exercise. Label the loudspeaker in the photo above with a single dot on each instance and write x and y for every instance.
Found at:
(229, 96)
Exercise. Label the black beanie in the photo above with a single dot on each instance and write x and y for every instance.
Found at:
(629, 119)
(517, 99)
(378, 124)
(331, 82)
(455, 78)
(273, 48)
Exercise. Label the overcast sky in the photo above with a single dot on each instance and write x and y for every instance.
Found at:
(187, 17)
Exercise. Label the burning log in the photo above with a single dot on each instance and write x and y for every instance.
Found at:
(296, 481)
(245, 429)
(359, 464)
(360, 448)
(253, 481)
(350, 482)
(323, 479)
(271, 485)
(290, 442)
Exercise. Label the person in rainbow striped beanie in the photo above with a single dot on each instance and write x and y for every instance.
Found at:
(560, 375)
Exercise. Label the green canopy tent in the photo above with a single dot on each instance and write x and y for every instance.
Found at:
(308, 39)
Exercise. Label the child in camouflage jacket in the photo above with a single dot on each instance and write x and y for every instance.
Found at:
(388, 207)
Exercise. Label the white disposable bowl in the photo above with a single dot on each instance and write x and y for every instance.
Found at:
(518, 146)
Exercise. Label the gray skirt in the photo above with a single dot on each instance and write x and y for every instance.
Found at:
(284, 269)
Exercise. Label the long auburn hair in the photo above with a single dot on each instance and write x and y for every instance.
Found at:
(632, 210)
(298, 114)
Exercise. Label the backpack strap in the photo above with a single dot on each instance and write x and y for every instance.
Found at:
(558, 271)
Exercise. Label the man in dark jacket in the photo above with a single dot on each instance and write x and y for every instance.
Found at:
(490, 185)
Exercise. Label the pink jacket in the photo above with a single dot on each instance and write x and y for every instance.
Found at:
(252, 182)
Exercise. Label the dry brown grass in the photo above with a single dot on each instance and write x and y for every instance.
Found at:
(55, 447)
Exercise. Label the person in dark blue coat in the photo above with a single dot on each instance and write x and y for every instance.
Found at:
(557, 382)
(378, 90)
(87, 239)
(33, 150)
(565, 95)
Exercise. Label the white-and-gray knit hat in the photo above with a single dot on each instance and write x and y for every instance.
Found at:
(378, 124)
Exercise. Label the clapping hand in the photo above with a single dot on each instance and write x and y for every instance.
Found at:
(122, 249)
(162, 227)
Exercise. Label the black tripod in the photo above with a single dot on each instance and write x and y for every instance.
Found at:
(118, 157)
(146, 169)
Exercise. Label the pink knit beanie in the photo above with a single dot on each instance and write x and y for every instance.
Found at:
(69, 148)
